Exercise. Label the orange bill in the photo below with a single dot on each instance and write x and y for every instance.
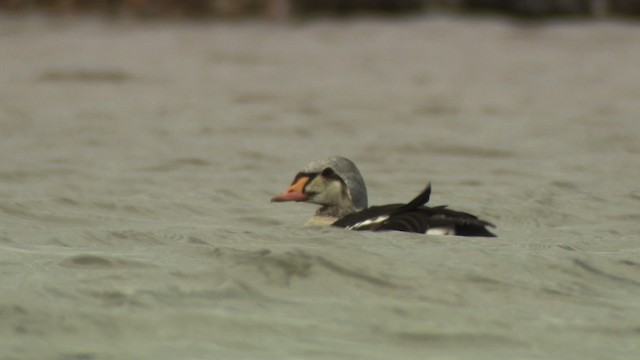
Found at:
(295, 192)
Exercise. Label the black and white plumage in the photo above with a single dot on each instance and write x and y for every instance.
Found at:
(336, 184)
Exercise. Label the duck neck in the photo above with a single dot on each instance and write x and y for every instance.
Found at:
(336, 211)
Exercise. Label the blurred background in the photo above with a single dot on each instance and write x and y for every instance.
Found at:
(141, 141)
(283, 9)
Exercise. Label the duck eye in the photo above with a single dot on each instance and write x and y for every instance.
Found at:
(327, 172)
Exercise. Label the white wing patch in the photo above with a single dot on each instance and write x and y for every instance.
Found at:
(371, 221)
(441, 231)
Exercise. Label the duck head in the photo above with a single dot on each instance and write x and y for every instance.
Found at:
(334, 183)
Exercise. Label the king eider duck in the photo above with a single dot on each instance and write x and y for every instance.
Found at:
(336, 184)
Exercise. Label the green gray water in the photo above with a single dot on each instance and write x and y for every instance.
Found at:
(137, 163)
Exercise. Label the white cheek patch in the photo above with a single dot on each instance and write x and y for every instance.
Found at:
(368, 222)
(326, 192)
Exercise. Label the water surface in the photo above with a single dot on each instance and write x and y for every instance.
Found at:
(137, 161)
